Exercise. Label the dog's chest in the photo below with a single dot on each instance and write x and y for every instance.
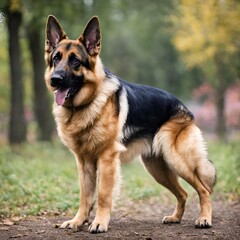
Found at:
(93, 138)
(84, 141)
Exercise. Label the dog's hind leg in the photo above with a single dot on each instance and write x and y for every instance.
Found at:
(182, 145)
(158, 168)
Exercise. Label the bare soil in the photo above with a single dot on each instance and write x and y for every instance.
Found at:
(140, 220)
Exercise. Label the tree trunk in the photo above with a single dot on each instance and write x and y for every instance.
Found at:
(17, 127)
(222, 75)
(220, 103)
(42, 107)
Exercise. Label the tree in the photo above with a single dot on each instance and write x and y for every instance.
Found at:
(41, 99)
(34, 26)
(207, 35)
(17, 128)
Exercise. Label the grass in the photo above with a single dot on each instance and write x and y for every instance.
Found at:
(36, 178)
(42, 178)
(226, 158)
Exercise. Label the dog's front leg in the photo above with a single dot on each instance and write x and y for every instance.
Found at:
(108, 167)
(87, 178)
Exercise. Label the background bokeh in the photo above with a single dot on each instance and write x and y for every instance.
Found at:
(190, 48)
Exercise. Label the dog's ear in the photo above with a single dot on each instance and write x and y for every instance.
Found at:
(91, 37)
(54, 32)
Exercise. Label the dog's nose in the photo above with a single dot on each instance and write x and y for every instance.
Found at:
(56, 79)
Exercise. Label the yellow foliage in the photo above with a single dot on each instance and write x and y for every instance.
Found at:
(15, 5)
(205, 28)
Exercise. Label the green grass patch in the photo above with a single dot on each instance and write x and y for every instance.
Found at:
(37, 178)
(226, 159)
(42, 177)
(137, 183)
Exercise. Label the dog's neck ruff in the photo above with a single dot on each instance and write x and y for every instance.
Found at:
(89, 111)
(77, 108)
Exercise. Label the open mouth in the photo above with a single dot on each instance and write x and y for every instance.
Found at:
(63, 94)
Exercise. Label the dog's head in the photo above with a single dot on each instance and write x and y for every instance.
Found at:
(74, 69)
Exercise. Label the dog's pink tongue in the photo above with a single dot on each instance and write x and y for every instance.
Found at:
(60, 96)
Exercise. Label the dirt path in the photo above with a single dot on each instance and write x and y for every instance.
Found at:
(141, 221)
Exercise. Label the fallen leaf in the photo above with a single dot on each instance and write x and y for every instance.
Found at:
(7, 222)
(16, 219)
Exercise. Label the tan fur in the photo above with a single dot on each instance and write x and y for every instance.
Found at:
(182, 146)
(91, 134)
(136, 148)
(91, 126)
(161, 172)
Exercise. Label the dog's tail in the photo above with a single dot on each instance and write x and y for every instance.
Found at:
(206, 173)
(181, 143)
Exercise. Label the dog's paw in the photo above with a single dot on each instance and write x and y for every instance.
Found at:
(73, 223)
(170, 219)
(203, 222)
(97, 227)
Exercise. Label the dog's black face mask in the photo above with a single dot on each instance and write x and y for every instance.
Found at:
(66, 86)
(67, 79)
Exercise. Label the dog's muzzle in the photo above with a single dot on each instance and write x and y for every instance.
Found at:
(57, 79)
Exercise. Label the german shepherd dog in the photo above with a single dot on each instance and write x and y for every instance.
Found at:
(103, 120)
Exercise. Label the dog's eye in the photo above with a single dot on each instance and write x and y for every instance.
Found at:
(56, 58)
(74, 60)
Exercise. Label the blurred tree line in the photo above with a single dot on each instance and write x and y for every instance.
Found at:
(175, 45)
(212, 42)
